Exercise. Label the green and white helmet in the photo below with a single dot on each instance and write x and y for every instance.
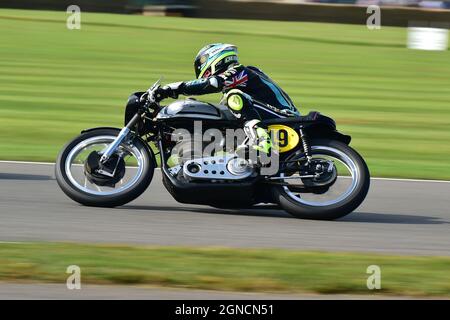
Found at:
(214, 58)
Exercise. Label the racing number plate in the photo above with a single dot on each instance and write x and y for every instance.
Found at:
(284, 138)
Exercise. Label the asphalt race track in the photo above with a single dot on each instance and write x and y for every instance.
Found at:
(14, 291)
(399, 217)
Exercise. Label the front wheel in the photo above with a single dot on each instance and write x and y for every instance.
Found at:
(346, 192)
(130, 173)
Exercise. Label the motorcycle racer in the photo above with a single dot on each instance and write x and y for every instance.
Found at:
(248, 92)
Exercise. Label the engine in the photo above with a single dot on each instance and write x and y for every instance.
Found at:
(189, 164)
(223, 167)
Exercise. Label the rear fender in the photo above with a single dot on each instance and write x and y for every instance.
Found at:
(315, 125)
(322, 131)
(323, 127)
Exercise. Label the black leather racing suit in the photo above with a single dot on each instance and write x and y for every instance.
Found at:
(269, 100)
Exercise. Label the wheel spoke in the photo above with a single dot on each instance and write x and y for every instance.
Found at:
(77, 157)
(322, 199)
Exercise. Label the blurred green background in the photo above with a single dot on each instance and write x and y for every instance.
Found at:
(55, 82)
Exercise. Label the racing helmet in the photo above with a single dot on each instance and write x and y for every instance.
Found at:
(214, 58)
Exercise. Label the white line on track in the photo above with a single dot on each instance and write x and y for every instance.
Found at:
(12, 242)
(26, 162)
(373, 178)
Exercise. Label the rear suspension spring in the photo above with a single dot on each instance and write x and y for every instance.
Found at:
(305, 144)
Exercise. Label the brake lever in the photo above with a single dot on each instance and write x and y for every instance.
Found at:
(151, 94)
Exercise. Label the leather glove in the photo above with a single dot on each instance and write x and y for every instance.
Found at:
(165, 92)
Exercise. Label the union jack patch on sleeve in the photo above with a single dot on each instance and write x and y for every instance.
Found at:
(239, 80)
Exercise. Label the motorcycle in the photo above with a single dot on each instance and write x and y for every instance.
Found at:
(317, 176)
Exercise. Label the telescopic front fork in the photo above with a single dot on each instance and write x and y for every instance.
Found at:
(109, 151)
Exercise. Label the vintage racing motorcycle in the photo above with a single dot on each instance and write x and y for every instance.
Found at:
(318, 175)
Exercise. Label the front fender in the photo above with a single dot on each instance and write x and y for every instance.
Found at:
(98, 128)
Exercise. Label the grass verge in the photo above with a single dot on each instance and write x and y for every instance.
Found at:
(258, 270)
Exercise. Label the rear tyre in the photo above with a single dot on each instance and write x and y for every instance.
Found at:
(105, 199)
(341, 207)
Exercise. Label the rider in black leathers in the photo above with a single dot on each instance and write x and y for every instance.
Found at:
(218, 70)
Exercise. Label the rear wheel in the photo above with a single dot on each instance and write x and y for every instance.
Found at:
(130, 172)
(346, 192)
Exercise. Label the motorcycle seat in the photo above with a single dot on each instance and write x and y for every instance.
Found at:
(310, 117)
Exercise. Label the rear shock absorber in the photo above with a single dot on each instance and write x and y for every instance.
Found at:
(305, 144)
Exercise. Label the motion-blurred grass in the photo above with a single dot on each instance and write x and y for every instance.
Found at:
(54, 82)
(262, 270)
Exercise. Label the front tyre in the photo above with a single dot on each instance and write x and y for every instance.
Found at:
(317, 206)
(135, 172)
